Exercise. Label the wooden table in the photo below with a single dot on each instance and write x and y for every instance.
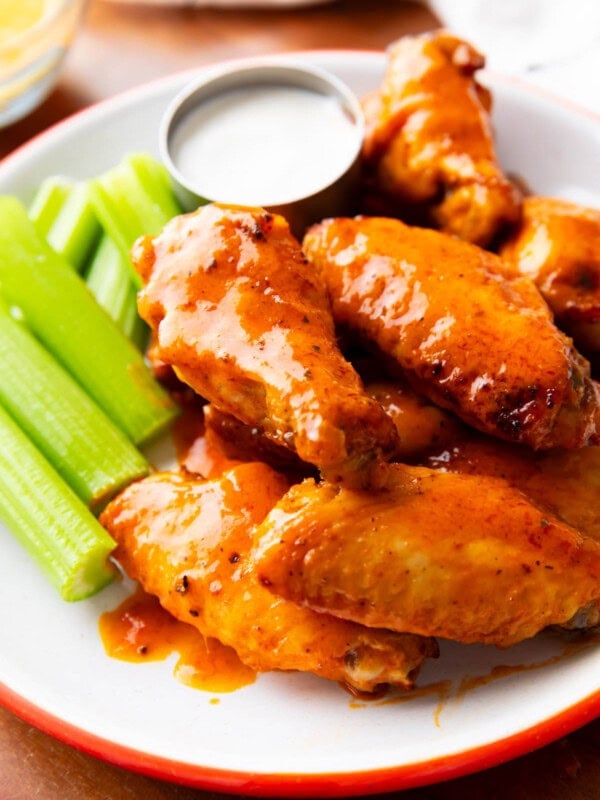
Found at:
(123, 46)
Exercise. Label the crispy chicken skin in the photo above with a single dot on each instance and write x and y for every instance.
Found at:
(428, 144)
(244, 320)
(557, 245)
(463, 557)
(188, 542)
(244, 443)
(421, 425)
(566, 482)
(468, 332)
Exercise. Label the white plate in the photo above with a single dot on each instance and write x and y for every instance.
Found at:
(289, 734)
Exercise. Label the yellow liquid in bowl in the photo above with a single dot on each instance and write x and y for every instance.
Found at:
(34, 36)
(17, 16)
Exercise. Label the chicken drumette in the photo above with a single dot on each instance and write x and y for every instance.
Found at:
(557, 245)
(245, 321)
(429, 151)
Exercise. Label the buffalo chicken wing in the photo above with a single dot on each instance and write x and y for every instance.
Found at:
(242, 318)
(188, 542)
(429, 149)
(469, 334)
(463, 557)
(566, 482)
(557, 245)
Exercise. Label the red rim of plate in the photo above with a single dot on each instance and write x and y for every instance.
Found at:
(383, 779)
(374, 781)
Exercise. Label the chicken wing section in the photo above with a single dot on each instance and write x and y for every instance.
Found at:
(245, 321)
(188, 542)
(422, 426)
(557, 245)
(470, 334)
(565, 482)
(429, 147)
(463, 557)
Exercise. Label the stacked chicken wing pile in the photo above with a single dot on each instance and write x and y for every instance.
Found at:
(436, 477)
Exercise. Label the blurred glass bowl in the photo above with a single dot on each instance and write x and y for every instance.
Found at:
(34, 38)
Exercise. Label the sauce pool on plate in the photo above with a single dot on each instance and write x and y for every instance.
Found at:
(139, 630)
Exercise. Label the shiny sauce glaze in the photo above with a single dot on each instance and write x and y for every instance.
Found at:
(245, 321)
(140, 630)
(199, 449)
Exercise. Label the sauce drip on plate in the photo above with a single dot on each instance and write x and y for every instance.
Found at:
(139, 629)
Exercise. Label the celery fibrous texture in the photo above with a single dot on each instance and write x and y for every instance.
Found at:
(63, 314)
(109, 279)
(92, 455)
(75, 230)
(48, 201)
(46, 516)
(63, 214)
(134, 199)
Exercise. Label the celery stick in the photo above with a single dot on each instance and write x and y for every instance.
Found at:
(63, 214)
(155, 179)
(75, 230)
(43, 513)
(63, 314)
(133, 199)
(91, 454)
(109, 279)
(133, 326)
(48, 201)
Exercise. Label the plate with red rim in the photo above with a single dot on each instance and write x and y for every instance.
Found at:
(290, 734)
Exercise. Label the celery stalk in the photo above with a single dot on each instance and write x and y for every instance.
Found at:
(109, 279)
(75, 230)
(154, 177)
(48, 201)
(133, 199)
(43, 513)
(63, 214)
(91, 454)
(63, 314)
(132, 325)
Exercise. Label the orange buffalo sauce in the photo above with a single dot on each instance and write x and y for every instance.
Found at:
(442, 690)
(450, 691)
(139, 629)
(577, 642)
(199, 449)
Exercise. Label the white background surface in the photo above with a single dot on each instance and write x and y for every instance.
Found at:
(554, 44)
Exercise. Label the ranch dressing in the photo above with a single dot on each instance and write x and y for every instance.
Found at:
(264, 144)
